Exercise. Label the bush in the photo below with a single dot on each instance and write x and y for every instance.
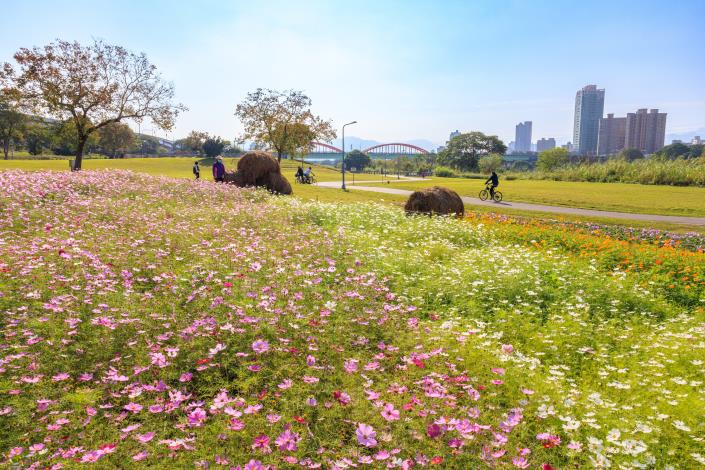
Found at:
(551, 159)
(444, 172)
(677, 172)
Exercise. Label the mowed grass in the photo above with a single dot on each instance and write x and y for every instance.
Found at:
(603, 196)
(643, 199)
(180, 167)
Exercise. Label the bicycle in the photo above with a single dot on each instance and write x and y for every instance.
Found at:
(485, 193)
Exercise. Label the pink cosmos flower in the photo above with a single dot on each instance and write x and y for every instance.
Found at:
(252, 465)
(366, 435)
(433, 431)
(285, 384)
(140, 456)
(260, 346)
(133, 407)
(507, 348)
(144, 438)
(350, 366)
(287, 441)
(389, 413)
(261, 443)
(236, 425)
(196, 418)
(14, 452)
(186, 377)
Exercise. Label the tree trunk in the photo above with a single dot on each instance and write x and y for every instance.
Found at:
(6, 148)
(279, 156)
(79, 154)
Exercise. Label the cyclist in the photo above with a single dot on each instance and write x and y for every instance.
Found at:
(308, 174)
(299, 175)
(494, 179)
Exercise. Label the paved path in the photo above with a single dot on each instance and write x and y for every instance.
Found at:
(675, 219)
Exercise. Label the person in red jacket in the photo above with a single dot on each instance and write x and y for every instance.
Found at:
(218, 169)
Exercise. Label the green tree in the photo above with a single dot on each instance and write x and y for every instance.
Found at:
(553, 158)
(695, 151)
(194, 141)
(12, 121)
(464, 151)
(93, 85)
(630, 154)
(37, 137)
(213, 146)
(358, 160)
(269, 117)
(490, 163)
(297, 138)
(116, 137)
(673, 151)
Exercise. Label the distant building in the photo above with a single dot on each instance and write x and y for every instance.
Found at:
(676, 141)
(455, 133)
(645, 131)
(545, 144)
(611, 135)
(589, 106)
(569, 147)
(511, 146)
(697, 141)
(523, 137)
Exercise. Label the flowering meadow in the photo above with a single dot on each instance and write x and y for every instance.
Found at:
(151, 322)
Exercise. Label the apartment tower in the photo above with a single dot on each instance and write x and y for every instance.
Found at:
(589, 106)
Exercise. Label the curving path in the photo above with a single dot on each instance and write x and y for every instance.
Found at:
(675, 219)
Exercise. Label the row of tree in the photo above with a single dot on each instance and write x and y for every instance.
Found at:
(19, 131)
(98, 86)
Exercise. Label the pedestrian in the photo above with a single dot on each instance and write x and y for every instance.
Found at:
(196, 170)
(218, 169)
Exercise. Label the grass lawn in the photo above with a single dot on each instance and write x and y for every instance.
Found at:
(645, 199)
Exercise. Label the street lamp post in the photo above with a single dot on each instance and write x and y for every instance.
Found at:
(348, 124)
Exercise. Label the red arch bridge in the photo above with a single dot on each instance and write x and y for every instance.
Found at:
(323, 151)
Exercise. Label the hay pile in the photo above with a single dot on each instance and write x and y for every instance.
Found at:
(257, 168)
(435, 200)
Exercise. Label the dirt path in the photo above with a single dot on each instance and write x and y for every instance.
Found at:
(675, 219)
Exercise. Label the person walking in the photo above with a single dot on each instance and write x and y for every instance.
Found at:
(218, 169)
(196, 170)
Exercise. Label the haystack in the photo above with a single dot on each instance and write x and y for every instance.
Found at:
(259, 168)
(435, 200)
(255, 165)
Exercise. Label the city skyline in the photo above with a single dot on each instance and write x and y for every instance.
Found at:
(412, 70)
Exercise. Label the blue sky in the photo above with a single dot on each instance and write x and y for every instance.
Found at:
(403, 69)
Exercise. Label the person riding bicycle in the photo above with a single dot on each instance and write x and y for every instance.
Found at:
(494, 179)
(308, 174)
(299, 176)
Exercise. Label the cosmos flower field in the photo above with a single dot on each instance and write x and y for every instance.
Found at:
(150, 322)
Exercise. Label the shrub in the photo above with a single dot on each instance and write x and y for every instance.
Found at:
(552, 159)
(444, 172)
(677, 172)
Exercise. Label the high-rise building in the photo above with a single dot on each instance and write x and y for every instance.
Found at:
(545, 144)
(589, 105)
(455, 133)
(697, 141)
(612, 135)
(645, 131)
(523, 137)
